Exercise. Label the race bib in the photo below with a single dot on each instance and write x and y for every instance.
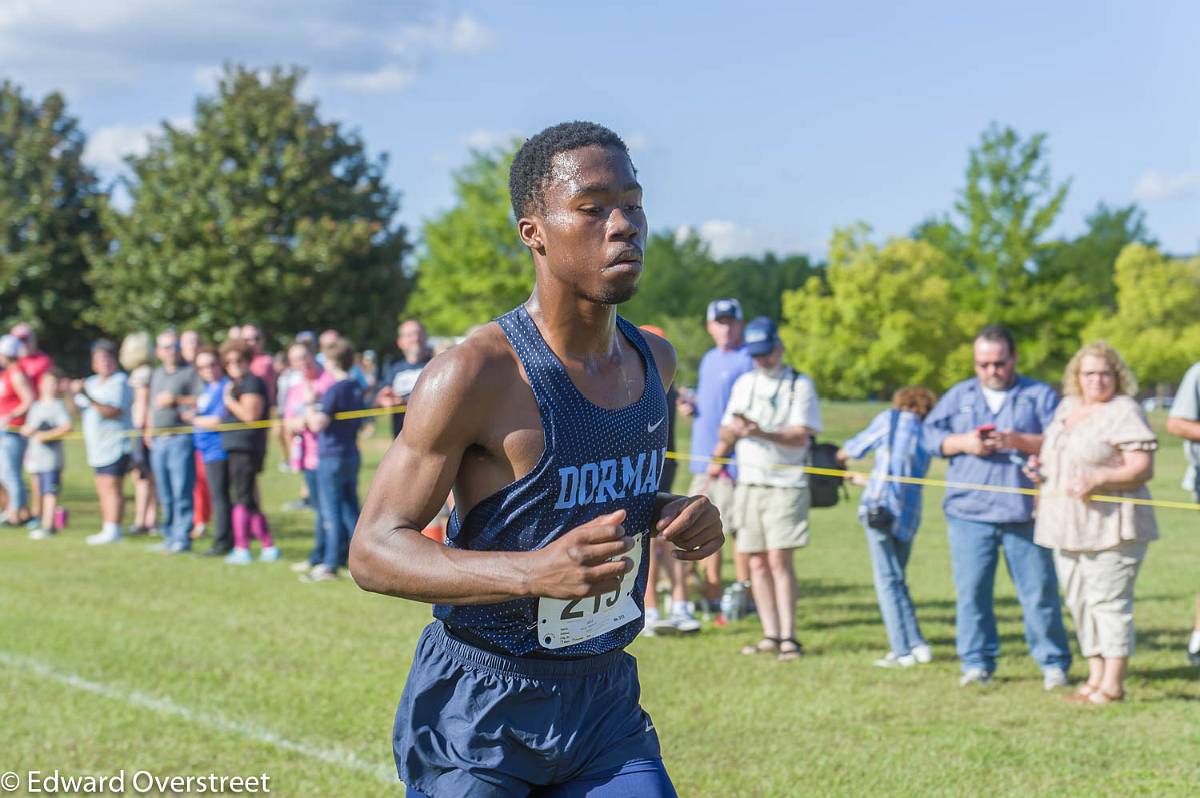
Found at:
(564, 623)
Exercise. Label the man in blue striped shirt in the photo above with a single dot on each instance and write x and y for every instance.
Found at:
(986, 426)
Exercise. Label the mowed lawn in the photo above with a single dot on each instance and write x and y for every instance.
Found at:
(115, 657)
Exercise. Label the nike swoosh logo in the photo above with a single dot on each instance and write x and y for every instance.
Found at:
(655, 425)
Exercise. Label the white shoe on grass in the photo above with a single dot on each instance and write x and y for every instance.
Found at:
(892, 661)
(976, 677)
(1054, 678)
(923, 654)
(102, 538)
(680, 623)
(239, 557)
(269, 554)
(37, 533)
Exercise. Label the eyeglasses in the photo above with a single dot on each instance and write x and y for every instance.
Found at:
(1106, 374)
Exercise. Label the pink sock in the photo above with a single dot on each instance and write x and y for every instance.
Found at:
(240, 518)
(260, 530)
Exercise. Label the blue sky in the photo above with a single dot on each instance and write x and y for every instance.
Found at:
(763, 125)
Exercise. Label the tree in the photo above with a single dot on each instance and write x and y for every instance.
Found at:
(680, 279)
(1090, 258)
(474, 266)
(885, 317)
(263, 212)
(1155, 328)
(49, 219)
(760, 282)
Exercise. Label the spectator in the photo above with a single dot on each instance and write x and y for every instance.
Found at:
(173, 391)
(189, 344)
(210, 407)
(337, 459)
(890, 512)
(770, 419)
(1098, 443)
(136, 359)
(303, 395)
(34, 362)
(984, 425)
(400, 377)
(104, 401)
(719, 369)
(1184, 421)
(45, 424)
(16, 395)
(245, 401)
(262, 364)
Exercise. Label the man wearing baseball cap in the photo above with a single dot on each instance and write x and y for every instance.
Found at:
(719, 369)
(770, 420)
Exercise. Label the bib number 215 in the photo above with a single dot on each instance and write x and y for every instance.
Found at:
(564, 623)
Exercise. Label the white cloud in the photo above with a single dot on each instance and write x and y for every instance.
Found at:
(485, 140)
(368, 47)
(1154, 186)
(107, 147)
(724, 238)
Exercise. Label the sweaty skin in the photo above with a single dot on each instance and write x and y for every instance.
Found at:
(473, 424)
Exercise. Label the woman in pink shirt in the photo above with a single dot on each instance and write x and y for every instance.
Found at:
(303, 394)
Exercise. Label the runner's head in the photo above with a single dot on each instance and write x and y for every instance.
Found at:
(578, 206)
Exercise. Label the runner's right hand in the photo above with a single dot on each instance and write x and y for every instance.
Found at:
(577, 564)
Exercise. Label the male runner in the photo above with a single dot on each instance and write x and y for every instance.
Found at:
(550, 425)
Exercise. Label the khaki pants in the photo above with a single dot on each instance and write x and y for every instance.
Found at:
(770, 518)
(1098, 590)
(720, 493)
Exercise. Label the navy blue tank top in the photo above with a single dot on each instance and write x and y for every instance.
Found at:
(595, 461)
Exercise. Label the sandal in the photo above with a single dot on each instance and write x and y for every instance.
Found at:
(790, 649)
(768, 645)
(1100, 697)
(1082, 695)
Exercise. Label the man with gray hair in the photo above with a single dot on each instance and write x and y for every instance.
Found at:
(174, 387)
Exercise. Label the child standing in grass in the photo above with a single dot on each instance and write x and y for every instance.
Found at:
(45, 424)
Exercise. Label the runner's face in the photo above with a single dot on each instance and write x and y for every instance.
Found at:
(593, 228)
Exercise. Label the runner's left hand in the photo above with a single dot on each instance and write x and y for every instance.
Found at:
(693, 525)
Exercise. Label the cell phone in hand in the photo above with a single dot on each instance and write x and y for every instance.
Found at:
(986, 430)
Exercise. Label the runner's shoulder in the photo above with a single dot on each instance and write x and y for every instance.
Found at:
(472, 373)
(664, 356)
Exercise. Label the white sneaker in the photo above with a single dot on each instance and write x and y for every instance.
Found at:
(102, 537)
(302, 567)
(923, 654)
(37, 533)
(652, 620)
(892, 661)
(682, 623)
(1054, 678)
(976, 677)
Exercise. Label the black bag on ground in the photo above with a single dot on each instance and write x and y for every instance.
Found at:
(825, 490)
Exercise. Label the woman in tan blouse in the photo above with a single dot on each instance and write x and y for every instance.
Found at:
(1098, 444)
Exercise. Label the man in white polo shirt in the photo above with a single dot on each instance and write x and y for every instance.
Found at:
(770, 419)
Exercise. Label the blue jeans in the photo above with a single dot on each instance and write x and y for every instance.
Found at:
(337, 491)
(313, 484)
(889, 558)
(174, 469)
(974, 552)
(12, 452)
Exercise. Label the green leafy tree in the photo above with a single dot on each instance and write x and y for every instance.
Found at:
(262, 212)
(49, 219)
(1088, 261)
(473, 267)
(884, 317)
(1156, 327)
(760, 282)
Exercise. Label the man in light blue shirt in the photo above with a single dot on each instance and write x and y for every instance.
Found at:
(986, 426)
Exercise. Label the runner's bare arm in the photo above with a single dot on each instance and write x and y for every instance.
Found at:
(447, 413)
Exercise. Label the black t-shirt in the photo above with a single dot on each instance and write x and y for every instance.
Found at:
(246, 440)
(401, 376)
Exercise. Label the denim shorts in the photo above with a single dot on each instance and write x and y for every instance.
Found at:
(49, 482)
(115, 469)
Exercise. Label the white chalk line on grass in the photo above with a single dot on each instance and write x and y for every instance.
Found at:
(212, 720)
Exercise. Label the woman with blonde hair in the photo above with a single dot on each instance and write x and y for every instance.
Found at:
(136, 358)
(1099, 444)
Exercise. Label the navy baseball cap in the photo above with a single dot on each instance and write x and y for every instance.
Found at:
(722, 308)
(761, 336)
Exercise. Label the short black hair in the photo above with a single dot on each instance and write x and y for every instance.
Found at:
(998, 333)
(531, 166)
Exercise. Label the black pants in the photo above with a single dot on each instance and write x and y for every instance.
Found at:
(243, 474)
(217, 473)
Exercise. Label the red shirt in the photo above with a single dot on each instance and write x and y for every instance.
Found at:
(34, 366)
(9, 399)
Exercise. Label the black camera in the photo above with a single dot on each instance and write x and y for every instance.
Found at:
(880, 518)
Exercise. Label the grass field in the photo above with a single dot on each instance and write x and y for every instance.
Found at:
(113, 657)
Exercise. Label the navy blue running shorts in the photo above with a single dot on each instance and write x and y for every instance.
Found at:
(475, 723)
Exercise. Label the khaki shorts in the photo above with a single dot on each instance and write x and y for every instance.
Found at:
(720, 493)
(770, 518)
